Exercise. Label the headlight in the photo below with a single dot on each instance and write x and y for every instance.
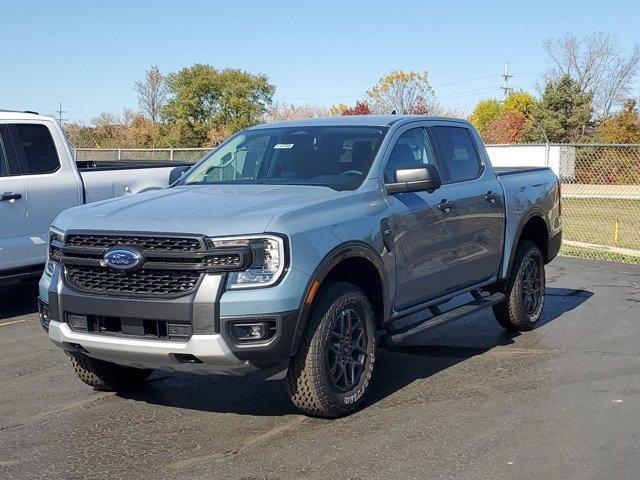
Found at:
(268, 260)
(54, 252)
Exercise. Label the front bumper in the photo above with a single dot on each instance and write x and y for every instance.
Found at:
(211, 350)
(209, 311)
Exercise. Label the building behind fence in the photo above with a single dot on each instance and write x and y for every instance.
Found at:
(600, 189)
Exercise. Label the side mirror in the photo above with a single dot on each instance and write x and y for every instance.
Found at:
(177, 172)
(425, 178)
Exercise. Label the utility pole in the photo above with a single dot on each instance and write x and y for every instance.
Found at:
(505, 86)
(60, 112)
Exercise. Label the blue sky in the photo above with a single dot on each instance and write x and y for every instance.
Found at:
(88, 54)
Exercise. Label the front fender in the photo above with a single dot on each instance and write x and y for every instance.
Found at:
(329, 262)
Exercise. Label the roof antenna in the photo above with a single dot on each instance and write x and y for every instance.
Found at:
(393, 112)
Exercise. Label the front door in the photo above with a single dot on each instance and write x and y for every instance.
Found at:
(423, 233)
(477, 197)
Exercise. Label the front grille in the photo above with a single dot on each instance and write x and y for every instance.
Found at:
(144, 282)
(167, 244)
(172, 266)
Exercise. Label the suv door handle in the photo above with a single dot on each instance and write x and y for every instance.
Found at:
(491, 197)
(445, 206)
(6, 196)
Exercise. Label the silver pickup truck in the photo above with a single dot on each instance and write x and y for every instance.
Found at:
(39, 179)
(295, 249)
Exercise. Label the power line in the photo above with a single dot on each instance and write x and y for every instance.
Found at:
(505, 87)
(467, 92)
(446, 84)
(493, 75)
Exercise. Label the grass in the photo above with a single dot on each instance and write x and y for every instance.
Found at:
(592, 220)
(598, 255)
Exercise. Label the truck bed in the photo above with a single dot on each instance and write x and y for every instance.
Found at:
(536, 189)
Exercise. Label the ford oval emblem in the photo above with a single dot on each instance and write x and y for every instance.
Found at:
(122, 258)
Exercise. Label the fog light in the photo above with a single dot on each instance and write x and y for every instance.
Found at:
(244, 332)
(43, 311)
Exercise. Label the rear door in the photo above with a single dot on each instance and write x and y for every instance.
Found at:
(13, 211)
(50, 188)
(478, 203)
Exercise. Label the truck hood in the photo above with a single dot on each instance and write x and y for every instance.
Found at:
(213, 210)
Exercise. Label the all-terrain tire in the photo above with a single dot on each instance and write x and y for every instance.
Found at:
(517, 313)
(321, 357)
(107, 376)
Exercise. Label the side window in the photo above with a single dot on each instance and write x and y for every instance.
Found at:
(4, 164)
(457, 153)
(36, 151)
(410, 150)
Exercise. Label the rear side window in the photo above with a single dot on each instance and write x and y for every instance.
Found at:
(35, 148)
(457, 153)
(4, 164)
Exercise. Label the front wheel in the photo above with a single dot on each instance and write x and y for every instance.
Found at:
(331, 372)
(107, 376)
(524, 291)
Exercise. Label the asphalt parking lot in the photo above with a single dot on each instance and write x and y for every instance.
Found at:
(466, 402)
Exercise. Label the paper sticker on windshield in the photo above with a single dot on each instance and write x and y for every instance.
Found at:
(283, 145)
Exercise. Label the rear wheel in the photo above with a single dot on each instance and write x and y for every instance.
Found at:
(331, 372)
(524, 291)
(107, 376)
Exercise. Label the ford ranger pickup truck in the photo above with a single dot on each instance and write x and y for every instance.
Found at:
(294, 250)
(39, 179)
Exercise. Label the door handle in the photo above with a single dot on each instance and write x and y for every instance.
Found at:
(6, 196)
(491, 197)
(445, 206)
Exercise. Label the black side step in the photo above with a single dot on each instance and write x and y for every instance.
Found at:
(398, 337)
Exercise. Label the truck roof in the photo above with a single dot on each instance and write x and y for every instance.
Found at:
(355, 120)
(16, 115)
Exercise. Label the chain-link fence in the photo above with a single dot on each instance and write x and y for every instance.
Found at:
(600, 192)
(601, 201)
(178, 155)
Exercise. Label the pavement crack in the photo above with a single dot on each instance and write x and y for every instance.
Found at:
(251, 442)
(54, 411)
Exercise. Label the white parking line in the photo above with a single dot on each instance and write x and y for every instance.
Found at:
(6, 324)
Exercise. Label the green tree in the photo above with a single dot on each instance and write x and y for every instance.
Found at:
(203, 99)
(485, 112)
(624, 127)
(564, 113)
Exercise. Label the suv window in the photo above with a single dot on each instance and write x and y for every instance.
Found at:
(457, 153)
(410, 150)
(36, 151)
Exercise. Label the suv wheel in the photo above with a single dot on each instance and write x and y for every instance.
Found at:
(330, 374)
(107, 376)
(522, 307)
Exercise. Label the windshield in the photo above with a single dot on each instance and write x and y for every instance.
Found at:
(336, 157)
